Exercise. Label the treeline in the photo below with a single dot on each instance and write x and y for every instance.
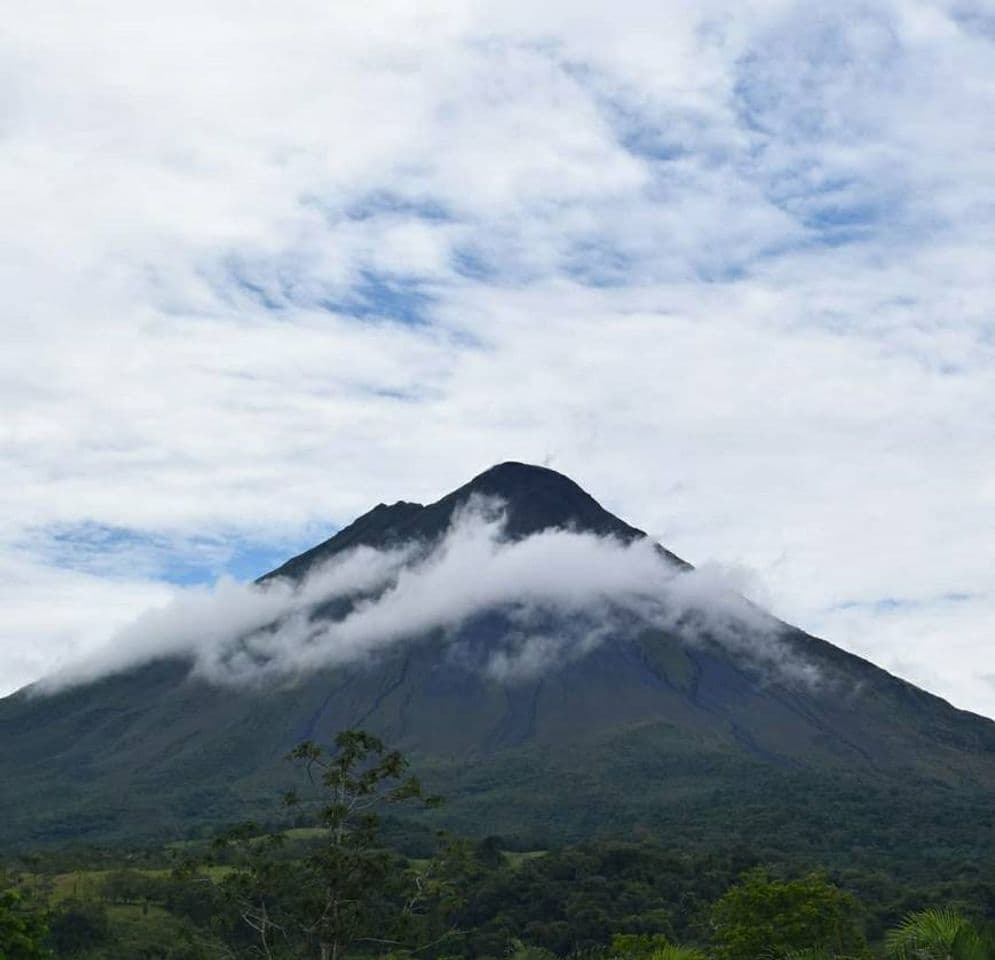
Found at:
(596, 902)
(336, 890)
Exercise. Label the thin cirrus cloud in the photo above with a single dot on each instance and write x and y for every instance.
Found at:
(728, 267)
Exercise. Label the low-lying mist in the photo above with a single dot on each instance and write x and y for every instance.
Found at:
(561, 592)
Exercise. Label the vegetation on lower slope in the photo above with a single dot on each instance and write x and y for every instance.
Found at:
(538, 908)
(334, 889)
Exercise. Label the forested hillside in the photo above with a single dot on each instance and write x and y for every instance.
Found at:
(348, 884)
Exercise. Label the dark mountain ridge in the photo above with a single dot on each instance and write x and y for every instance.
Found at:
(534, 499)
(645, 730)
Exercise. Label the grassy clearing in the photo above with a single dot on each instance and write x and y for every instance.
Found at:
(88, 884)
(136, 914)
(304, 833)
(517, 858)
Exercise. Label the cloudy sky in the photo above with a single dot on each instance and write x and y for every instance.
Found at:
(727, 264)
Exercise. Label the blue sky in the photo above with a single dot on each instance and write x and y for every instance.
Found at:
(102, 550)
(727, 264)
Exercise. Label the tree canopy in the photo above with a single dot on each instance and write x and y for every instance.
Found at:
(761, 916)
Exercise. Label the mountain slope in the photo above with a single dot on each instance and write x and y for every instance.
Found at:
(645, 730)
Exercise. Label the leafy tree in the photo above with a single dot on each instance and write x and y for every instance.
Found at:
(349, 892)
(22, 925)
(130, 886)
(937, 934)
(77, 926)
(760, 916)
(488, 852)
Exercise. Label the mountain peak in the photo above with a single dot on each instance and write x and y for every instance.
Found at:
(538, 498)
(535, 498)
(512, 479)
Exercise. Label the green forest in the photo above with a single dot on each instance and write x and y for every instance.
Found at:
(339, 871)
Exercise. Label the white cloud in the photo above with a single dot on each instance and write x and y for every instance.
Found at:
(60, 615)
(587, 586)
(727, 265)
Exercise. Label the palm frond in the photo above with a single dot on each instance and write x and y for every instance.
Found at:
(673, 952)
(927, 935)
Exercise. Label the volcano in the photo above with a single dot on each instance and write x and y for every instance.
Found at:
(661, 725)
